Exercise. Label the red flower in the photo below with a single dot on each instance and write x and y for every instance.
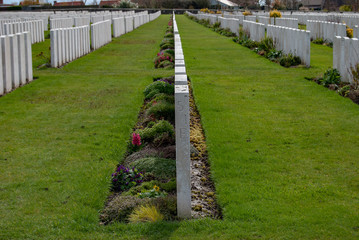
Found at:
(136, 139)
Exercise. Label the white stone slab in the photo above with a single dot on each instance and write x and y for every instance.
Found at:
(183, 168)
(181, 79)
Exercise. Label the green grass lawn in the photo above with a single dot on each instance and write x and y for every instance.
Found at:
(283, 150)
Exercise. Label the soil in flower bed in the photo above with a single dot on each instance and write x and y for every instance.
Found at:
(203, 202)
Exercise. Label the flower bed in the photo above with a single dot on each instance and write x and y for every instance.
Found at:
(331, 80)
(143, 186)
(165, 58)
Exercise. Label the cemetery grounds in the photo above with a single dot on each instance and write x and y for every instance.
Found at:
(283, 150)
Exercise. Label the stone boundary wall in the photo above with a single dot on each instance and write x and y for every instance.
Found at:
(291, 41)
(15, 61)
(345, 56)
(68, 44)
(34, 27)
(182, 123)
(100, 34)
(61, 23)
(326, 30)
(255, 30)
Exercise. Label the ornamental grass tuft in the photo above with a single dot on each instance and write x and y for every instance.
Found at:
(146, 213)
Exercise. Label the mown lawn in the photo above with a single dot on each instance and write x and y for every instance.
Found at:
(283, 150)
(62, 135)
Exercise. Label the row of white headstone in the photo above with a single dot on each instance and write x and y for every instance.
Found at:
(125, 24)
(15, 61)
(286, 22)
(231, 23)
(61, 23)
(288, 40)
(82, 21)
(345, 56)
(291, 41)
(326, 30)
(350, 19)
(68, 44)
(70, 19)
(256, 31)
(100, 34)
(182, 123)
(4, 20)
(34, 27)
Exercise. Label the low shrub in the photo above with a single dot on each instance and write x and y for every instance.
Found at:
(145, 186)
(345, 8)
(124, 178)
(331, 76)
(275, 13)
(344, 91)
(167, 206)
(169, 35)
(119, 208)
(166, 64)
(266, 45)
(160, 168)
(162, 110)
(158, 87)
(167, 45)
(319, 41)
(216, 25)
(145, 213)
(246, 13)
(155, 192)
(349, 32)
(169, 186)
(273, 55)
(354, 86)
(225, 32)
(289, 60)
(249, 43)
(149, 134)
(161, 57)
(160, 97)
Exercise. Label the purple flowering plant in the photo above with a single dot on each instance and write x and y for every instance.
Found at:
(124, 178)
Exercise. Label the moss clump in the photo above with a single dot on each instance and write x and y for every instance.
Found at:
(161, 168)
